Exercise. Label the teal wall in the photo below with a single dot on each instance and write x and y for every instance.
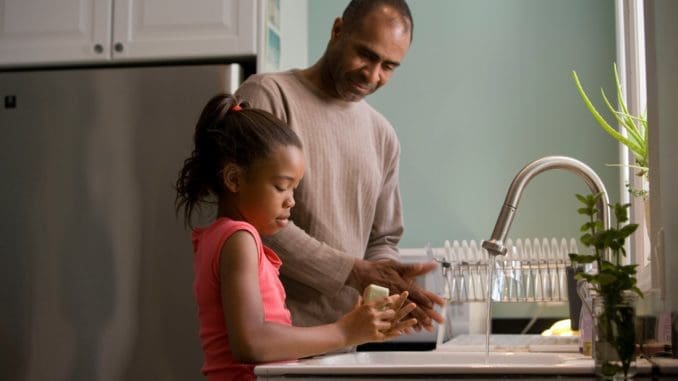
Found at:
(485, 89)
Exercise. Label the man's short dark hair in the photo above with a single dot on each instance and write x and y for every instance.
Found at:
(356, 10)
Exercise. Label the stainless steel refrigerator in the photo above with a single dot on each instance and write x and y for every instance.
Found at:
(96, 270)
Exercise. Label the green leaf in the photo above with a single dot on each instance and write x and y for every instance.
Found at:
(606, 278)
(582, 258)
(636, 138)
(586, 239)
(627, 121)
(613, 132)
(628, 229)
(621, 212)
(580, 198)
(629, 269)
(586, 226)
(587, 277)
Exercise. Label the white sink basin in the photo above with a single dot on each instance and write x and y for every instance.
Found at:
(439, 358)
(434, 362)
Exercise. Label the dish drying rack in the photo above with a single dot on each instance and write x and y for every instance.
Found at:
(533, 270)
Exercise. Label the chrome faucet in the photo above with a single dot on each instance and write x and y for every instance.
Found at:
(495, 246)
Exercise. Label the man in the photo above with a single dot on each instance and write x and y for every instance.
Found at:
(347, 218)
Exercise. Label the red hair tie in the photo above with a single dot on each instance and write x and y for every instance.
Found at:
(236, 108)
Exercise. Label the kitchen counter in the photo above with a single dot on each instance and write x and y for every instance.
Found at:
(450, 361)
(431, 363)
(449, 366)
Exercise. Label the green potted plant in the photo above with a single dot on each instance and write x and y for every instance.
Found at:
(613, 285)
(636, 139)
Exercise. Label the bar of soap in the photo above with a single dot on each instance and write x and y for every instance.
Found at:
(374, 292)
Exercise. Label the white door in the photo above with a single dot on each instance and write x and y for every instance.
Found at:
(151, 29)
(54, 32)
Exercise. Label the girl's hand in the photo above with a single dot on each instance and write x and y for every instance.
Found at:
(377, 321)
(397, 277)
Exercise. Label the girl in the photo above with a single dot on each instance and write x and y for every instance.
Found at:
(251, 163)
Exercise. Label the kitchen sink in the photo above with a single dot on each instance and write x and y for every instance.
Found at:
(438, 358)
(434, 362)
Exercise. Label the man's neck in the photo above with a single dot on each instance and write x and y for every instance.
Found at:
(319, 77)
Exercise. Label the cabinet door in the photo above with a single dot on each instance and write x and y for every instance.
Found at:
(46, 32)
(152, 29)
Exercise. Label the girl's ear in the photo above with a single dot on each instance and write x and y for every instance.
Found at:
(231, 177)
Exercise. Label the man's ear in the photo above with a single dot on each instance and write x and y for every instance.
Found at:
(337, 28)
(231, 177)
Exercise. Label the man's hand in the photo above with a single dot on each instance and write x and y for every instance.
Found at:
(399, 277)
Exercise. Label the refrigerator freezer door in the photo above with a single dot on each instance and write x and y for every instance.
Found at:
(96, 265)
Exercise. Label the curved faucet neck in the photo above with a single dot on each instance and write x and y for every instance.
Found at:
(495, 245)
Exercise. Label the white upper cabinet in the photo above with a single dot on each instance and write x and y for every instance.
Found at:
(47, 32)
(148, 29)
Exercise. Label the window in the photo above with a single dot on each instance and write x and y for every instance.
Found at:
(632, 74)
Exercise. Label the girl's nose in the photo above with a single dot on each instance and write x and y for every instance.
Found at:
(289, 202)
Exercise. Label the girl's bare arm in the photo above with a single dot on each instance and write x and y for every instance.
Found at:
(253, 339)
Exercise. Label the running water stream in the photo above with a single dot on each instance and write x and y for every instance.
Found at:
(491, 270)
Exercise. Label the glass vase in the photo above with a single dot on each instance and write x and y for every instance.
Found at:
(614, 336)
